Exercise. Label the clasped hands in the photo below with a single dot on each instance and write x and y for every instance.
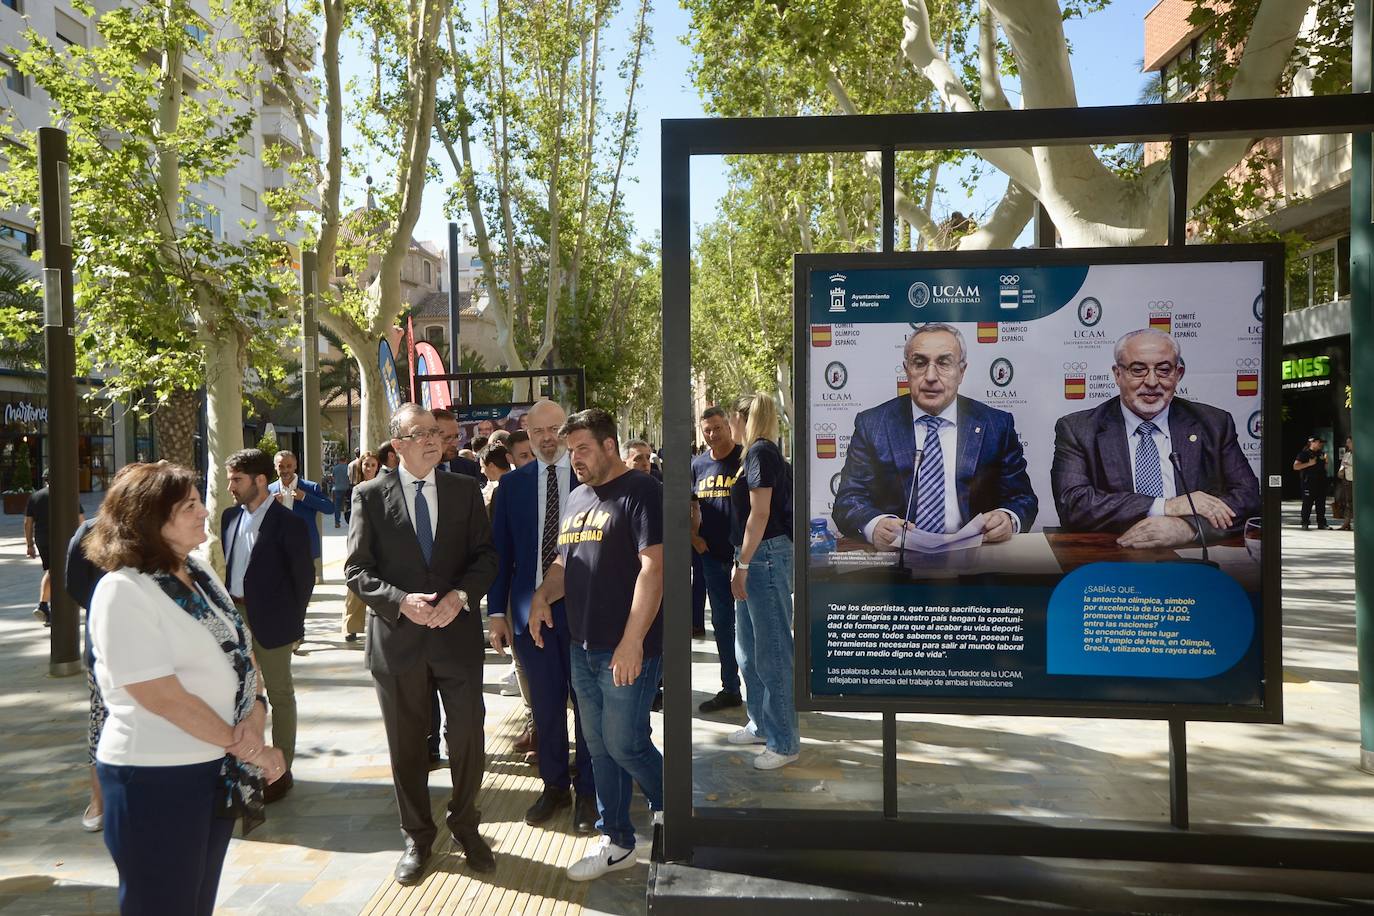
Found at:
(1175, 527)
(249, 747)
(997, 527)
(431, 610)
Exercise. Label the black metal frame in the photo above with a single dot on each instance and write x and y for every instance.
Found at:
(578, 374)
(686, 827)
(1272, 257)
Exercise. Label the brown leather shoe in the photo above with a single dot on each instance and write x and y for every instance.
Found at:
(275, 791)
(528, 741)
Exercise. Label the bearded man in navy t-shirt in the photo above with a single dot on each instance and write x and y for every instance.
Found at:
(610, 572)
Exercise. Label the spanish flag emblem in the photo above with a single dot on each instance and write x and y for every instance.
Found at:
(820, 335)
(1075, 387)
(1247, 384)
(987, 332)
(825, 447)
(1162, 321)
(903, 388)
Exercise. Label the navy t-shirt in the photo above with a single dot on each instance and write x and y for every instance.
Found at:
(601, 534)
(711, 483)
(764, 467)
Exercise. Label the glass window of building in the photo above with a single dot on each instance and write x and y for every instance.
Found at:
(25, 240)
(15, 81)
(15, 5)
(69, 31)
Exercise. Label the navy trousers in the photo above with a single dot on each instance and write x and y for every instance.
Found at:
(549, 672)
(164, 837)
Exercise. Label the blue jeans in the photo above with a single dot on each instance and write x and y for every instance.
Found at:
(342, 505)
(164, 837)
(717, 576)
(763, 646)
(615, 721)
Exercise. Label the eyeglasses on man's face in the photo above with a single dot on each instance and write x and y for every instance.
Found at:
(944, 365)
(1140, 370)
(419, 434)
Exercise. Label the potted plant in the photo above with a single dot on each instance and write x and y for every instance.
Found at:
(21, 484)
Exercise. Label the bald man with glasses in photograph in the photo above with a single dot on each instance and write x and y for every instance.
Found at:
(1128, 465)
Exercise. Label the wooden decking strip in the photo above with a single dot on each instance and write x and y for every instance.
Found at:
(529, 879)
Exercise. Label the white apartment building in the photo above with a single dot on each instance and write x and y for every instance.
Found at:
(225, 205)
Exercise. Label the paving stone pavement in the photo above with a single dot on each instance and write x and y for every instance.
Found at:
(331, 844)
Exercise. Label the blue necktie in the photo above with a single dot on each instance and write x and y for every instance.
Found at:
(1148, 478)
(930, 482)
(422, 525)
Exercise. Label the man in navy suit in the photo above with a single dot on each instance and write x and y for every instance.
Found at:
(970, 457)
(454, 462)
(270, 576)
(525, 516)
(1114, 465)
(305, 498)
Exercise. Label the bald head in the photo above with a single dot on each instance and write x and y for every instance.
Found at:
(545, 418)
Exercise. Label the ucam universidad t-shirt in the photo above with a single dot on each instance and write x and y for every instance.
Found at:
(600, 537)
(711, 483)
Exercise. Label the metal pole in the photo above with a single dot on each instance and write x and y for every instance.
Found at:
(311, 462)
(59, 330)
(1178, 236)
(454, 306)
(889, 240)
(1362, 376)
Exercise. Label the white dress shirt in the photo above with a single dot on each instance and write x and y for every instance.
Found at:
(564, 472)
(949, 444)
(1162, 442)
(430, 496)
(239, 550)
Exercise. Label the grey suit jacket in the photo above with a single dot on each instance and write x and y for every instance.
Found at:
(1091, 474)
(385, 564)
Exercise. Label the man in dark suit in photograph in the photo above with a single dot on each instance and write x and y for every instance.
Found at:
(971, 458)
(270, 575)
(420, 556)
(525, 517)
(1128, 465)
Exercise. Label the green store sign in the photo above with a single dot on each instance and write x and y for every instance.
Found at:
(1311, 367)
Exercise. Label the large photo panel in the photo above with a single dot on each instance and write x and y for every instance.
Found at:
(1036, 478)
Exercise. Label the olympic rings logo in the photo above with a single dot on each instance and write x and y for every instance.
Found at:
(1249, 362)
(1075, 367)
(1160, 304)
(1009, 279)
(824, 427)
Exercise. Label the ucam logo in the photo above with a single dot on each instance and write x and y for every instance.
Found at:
(837, 293)
(1255, 425)
(835, 485)
(918, 295)
(1001, 372)
(1089, 312)
(1257, 307)
(836, 376)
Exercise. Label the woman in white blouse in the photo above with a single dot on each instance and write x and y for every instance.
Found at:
(181, 756)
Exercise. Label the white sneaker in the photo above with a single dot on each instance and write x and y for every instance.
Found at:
(771, 760)
(745, 736)
(510, 684)
(605, 858)
(92, 823)
(658, 818)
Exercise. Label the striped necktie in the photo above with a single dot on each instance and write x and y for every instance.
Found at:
(548, 544)
(930, 482)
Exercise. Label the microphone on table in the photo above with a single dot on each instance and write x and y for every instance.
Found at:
(910, 498)
(1197, 519)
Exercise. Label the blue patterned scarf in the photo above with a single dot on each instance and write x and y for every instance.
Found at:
(242, 782)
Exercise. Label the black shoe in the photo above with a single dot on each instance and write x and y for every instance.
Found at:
(351, 637)
(277, 790)
(434, 757)
(723, 700)
(1323, 527)
(478, 853)
(658, 701)
(549, 801)
(41, 613)
(698, 632)
(1304, 527)
(411, 867)
(585, 814)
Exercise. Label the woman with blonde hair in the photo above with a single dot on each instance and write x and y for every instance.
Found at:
(355, 612)
(181, 756)
(761, 518)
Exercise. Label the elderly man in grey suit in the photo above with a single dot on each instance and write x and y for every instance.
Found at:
(1128, 465)
(420, 556)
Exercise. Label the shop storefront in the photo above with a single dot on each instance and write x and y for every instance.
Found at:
(24, 428)
(1316, 378)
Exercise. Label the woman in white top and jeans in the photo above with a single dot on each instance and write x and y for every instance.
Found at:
(181, 756)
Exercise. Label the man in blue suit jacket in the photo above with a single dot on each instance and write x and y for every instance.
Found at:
(307, 501)
(270, 576)
(525, 516)
(1114, 464)
(971, 458)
